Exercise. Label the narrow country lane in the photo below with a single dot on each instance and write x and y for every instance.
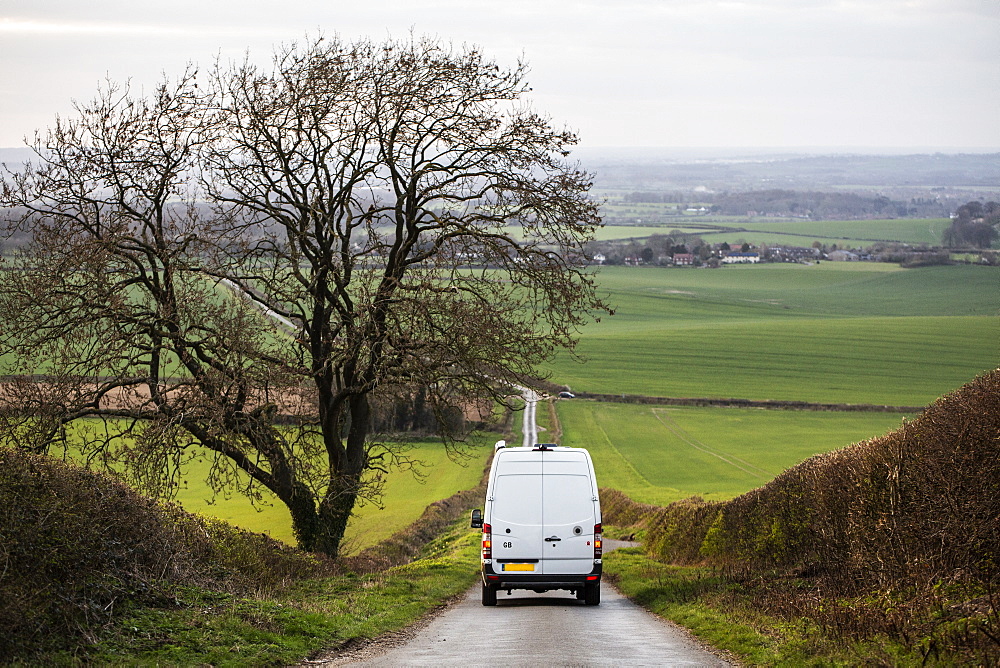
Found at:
(551, 629)
(529, 426)
(529, 629)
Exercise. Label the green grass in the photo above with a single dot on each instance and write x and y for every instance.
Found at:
(435, 476)
(832, 333)
(199, 627)
(904, 230)
(659, 454)
(660, 218)
(842, 232)
(616, 232)
(405, 497)
(678, 593)
(723, 613)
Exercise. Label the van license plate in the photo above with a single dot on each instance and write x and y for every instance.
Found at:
(519, 567)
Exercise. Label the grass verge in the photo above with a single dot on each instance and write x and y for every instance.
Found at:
(93, 573)
(203, 627)
(726, 613)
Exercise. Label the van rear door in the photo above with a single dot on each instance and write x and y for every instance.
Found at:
(569, 513)
(516, 517)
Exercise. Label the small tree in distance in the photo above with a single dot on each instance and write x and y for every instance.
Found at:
(410, 221)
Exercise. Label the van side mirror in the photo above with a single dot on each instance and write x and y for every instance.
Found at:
(477, 519)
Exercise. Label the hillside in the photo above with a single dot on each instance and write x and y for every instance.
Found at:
(837, 332)
(93, 572)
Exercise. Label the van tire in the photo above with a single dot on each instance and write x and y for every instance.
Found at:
(592, 595)
(489, 595)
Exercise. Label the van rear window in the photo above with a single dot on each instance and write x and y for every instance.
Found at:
(572, 495)
(517, 499)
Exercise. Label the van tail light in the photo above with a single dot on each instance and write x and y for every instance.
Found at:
(487, 541)
(598, 542)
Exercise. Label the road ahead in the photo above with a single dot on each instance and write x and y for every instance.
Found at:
(551, 629)
(529, 427)
(529, 629)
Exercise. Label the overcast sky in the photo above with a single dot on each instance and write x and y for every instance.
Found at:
(844, 74)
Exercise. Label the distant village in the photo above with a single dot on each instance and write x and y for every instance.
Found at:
(691, 251)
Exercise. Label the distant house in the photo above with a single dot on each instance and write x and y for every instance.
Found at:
(600, 259)
(842, 256)
(737, 257)
(683, 259)
(794, 253)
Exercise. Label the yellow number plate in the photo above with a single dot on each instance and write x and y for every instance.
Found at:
(519, 567)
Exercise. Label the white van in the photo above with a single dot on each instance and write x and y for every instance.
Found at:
(542, 523)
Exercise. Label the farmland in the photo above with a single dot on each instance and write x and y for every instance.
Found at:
(834, 332)
(846, 333)
(636, 220)
(659, 454)
(641, 220)
(407, 493)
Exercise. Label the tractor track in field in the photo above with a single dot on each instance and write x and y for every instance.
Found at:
(690, 440)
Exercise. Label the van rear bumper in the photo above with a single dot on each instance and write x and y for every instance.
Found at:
(506, 580)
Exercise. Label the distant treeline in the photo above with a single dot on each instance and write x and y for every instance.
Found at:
(803, 172)
(804, 204)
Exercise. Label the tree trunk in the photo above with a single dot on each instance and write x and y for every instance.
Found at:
(328, 524)
(334, 513)
(305, 519)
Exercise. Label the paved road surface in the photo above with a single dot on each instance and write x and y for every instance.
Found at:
(551, 629)
(529, 428)
(529, 629)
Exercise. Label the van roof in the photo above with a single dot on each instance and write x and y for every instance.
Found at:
(537, 447)
(541, 447)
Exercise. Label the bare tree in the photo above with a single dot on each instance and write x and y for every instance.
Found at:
(107, 302)
(397, 207)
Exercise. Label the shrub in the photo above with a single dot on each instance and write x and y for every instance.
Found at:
(76, 547)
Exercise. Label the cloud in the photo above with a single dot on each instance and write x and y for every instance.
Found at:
(111, 28)
(632, 71)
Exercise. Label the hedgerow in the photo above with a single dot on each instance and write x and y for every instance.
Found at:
(77, 547)
(80, 551)
(906, 522)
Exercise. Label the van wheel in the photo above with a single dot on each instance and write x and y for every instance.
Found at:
(489, 595)
(592, 595)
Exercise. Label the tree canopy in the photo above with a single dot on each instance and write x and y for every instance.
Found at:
(359, 224)
(974, 224)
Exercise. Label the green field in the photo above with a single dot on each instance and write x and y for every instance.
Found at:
(835, 332)
(406, 497)
(905, 230)
(659, 454)
(657, 218)
(829, 333)
(618, 232)
(853, 233)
